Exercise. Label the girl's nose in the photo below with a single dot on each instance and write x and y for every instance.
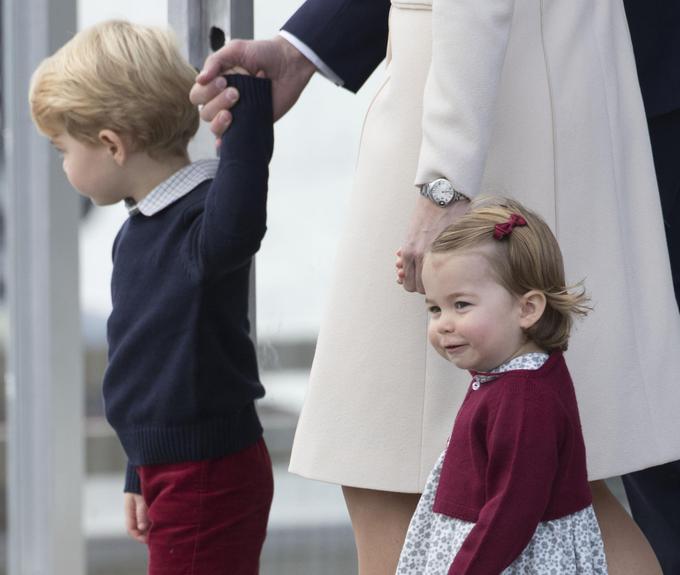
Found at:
(445, 325)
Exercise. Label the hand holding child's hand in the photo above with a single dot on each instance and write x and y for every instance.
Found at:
(232, 93)
(427, 221)
(276, 59)
(136, 517)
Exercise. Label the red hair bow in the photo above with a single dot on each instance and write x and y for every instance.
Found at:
(502, 230)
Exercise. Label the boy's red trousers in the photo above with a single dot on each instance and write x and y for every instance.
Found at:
(208, 517)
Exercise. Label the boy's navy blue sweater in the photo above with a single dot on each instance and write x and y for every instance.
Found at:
(182, 375)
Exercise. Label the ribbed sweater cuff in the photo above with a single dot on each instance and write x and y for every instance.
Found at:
(132, 483)
(250, 136)
(253, 92)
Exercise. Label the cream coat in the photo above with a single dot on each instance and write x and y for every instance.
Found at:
(539, 100)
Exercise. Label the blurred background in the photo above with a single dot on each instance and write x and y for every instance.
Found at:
(311, 175)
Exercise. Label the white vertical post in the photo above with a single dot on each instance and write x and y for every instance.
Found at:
(192, 21)
(44, 384)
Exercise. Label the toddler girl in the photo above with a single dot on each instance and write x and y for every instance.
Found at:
(510, 492)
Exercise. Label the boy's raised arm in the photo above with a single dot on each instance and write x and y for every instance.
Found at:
(234, 219)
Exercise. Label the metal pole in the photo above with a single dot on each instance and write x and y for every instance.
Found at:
(194, 20)
(198, 24)
(44, 383)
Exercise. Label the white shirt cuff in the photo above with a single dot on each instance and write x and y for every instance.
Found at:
(308, 53)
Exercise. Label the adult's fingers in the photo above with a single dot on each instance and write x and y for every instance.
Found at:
(420, 288)
(225, 100)
(211, 69)
(201, 94)
(220, 123)
(230, 55)
(412, 268)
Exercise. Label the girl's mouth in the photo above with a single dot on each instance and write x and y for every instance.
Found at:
(454, 348)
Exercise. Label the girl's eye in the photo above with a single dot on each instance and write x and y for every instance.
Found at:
(433, 309)
(461, 304)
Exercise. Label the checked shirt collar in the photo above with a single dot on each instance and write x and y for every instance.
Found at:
(175, 187)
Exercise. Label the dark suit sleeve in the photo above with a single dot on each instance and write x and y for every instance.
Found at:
(350, 36)
(655, 33)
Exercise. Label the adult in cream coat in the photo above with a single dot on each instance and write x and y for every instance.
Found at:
(537, 99)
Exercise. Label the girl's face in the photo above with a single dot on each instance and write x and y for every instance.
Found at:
(474, 321)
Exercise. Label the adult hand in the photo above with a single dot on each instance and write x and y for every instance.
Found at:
(427, 222)
(136, 517)
(276, 59)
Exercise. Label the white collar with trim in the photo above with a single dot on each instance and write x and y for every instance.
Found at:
(173, 188)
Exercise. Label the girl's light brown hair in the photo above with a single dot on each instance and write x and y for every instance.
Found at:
(529, 258)
(119, 76)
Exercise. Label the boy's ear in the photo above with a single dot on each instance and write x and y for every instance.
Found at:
(532, 306)
(116, 145)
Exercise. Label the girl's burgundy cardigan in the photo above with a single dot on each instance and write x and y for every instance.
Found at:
(516, 457)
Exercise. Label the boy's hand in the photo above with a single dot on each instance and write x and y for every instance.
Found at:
(136, 517)
(237, 70)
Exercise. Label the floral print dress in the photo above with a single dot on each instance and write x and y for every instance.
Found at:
(570, 545)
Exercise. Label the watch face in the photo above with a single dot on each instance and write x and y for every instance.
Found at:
(442, 192)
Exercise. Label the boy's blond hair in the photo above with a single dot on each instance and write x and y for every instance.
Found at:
(119, 76)
(529, 258)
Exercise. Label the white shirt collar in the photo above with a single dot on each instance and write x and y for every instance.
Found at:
(175, 187)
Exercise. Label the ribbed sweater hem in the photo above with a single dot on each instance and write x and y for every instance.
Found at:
(152, 445)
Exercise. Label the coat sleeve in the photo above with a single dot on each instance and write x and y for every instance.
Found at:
(469, 39)
(350, 36)
(523, 443)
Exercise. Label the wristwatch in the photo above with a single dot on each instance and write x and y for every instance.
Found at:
(441, 192)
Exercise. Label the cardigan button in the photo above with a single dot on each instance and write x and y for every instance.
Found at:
(475, 385)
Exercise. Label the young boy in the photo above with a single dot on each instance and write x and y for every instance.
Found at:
(182, 376)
